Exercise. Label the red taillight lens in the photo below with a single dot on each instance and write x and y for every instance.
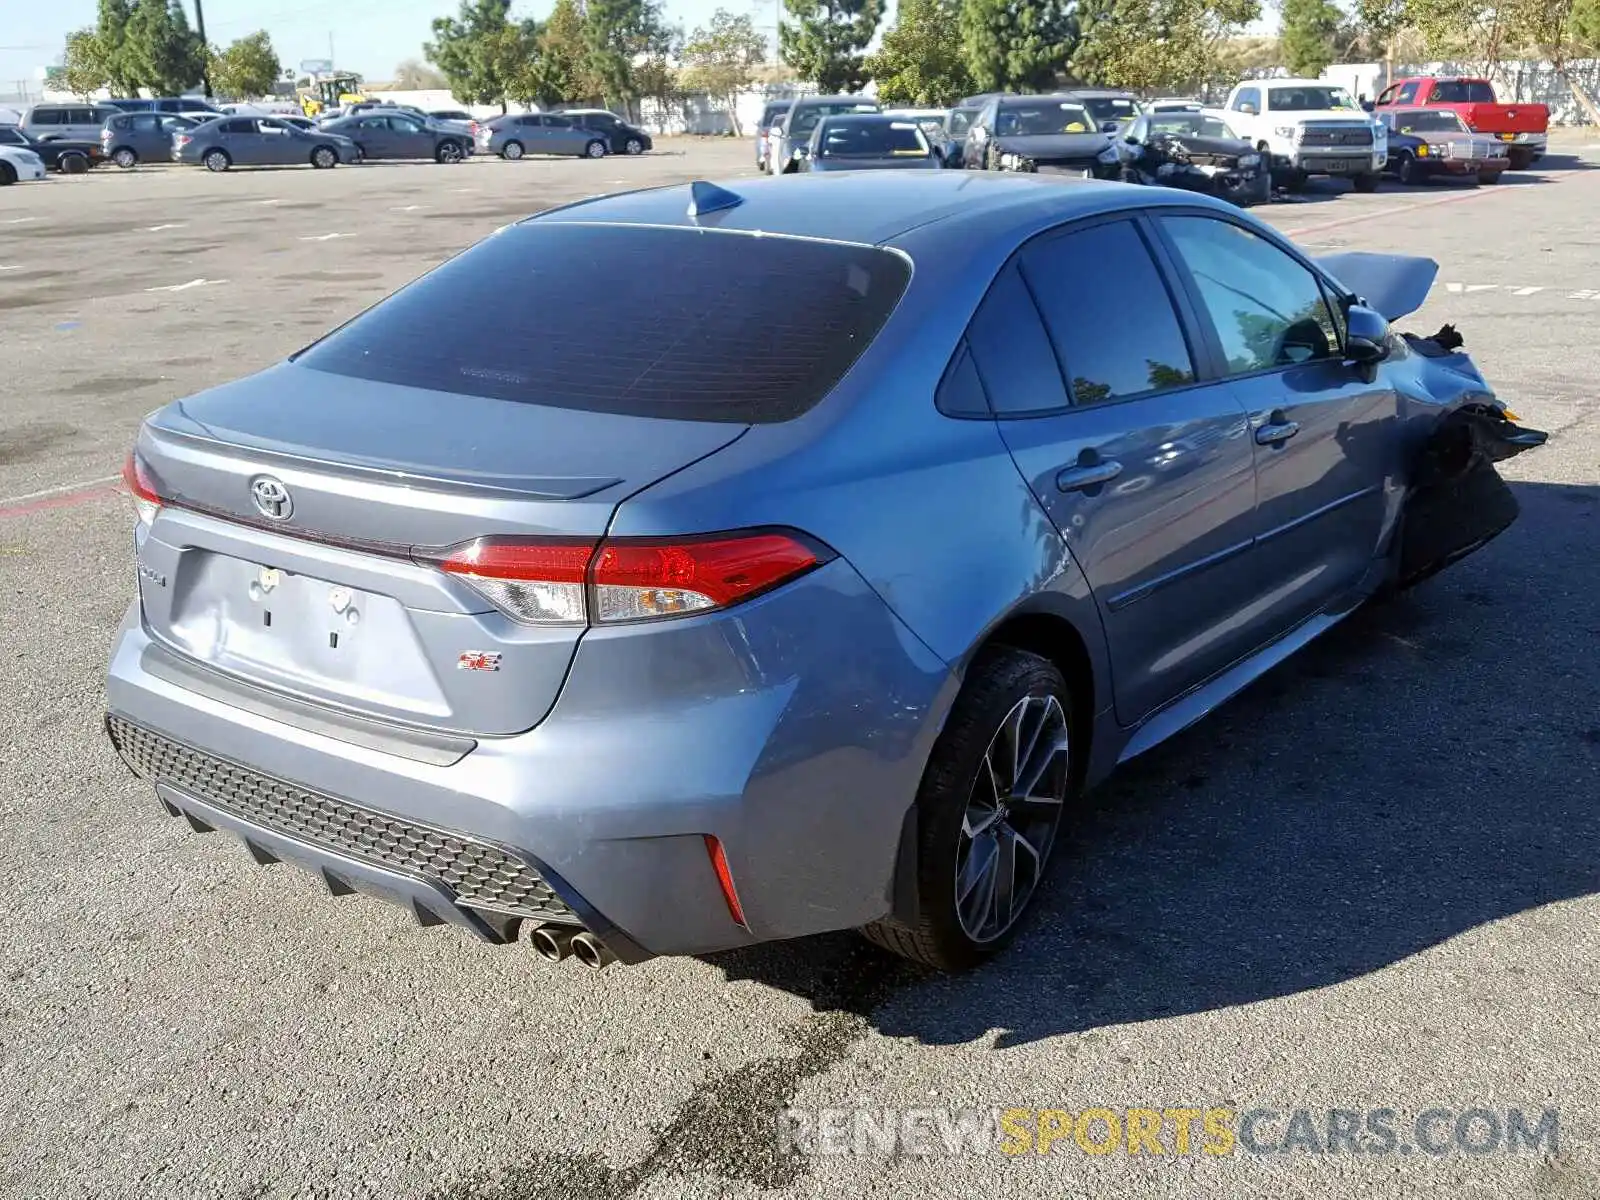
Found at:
(146, 500)
(571, 583)
(538, 583)
(719, 864)
(183, 139)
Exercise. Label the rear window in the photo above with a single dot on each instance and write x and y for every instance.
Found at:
(692, 324)
(1462, 91)
(804, 120)
(872, 139)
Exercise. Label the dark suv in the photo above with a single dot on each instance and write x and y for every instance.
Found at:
(622, 138)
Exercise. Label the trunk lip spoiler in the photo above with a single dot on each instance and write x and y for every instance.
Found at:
(539, 488)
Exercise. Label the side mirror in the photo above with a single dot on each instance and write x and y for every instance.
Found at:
(1110, 126)
(1366, 336)
(1248, 109)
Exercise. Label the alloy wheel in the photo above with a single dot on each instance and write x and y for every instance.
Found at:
(1013, 812)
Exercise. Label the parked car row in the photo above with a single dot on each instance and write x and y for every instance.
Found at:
(72, 138)
(1271, 133)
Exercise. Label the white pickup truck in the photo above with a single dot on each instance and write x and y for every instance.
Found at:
(1310, 127)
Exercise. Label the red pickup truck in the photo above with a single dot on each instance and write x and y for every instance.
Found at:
(1524, 126)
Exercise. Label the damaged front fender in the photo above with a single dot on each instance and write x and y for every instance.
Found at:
(1458, 502)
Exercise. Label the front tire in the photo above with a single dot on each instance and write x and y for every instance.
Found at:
(8, 174)
(595, 149)
(1488, 176)
(1411, 172)
(73, 164)
(1000, 776)
(125, 157)
(324, 158)
(633, 146)
(217, 161)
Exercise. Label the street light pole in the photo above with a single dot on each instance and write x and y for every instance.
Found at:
(205, 70)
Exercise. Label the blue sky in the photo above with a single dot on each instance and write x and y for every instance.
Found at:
(369, 36)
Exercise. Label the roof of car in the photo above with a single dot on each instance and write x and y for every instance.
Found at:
(870, 207)
(1100, 92)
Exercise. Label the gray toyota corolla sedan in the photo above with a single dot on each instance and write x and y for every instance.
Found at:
(806, 607)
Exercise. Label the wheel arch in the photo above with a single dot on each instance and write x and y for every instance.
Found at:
(1041, 629)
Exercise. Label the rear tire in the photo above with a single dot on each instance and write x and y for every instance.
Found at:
(217, 160)
(511, 151)
(73, 164)
(595, 149)
(974, 829)
(324, 158)
(1367, 183)
(124, 157)
(1521, 160)
(1488, 176)
(449, 152)
(8, 174)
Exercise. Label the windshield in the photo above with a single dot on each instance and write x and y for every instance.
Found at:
(1043, 119)
(1111, 108)
(1193, 124)
(1310, 99)
(805, 120)
(1462, 91)
(872, 139)
(1424, 121)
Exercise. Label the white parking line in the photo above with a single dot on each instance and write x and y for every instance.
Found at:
(18, 220)
(46, 493)
(10, 268)
(275, 201)
(326, 237)
(1526, 291)
(407, 207)
(159, 228)
(184, 287)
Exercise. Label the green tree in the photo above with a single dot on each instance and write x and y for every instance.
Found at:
(1018, 45)
(1309, 35)
(564, 56)
(1586, 26)
(615, 34)
(827, 39)
(720, 59)
(249, 67)
(470, 51)
(516, 54)
(1159, 44)
(84, 65)
(1551, 29)
(162, 52)
(919, 61)
(656, 71)
(112, 30)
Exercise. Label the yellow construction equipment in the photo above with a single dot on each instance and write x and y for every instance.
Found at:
(323, 92)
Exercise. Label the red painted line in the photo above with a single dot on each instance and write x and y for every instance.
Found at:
(27, 508)
(1459, 198)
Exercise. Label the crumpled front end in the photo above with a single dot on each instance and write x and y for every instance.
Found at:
(1457, 501)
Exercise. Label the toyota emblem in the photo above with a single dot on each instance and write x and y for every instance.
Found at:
(271, 498)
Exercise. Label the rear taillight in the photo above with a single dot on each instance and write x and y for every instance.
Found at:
(105, 136)
(560, 582)
(141, 489)
(183, 139)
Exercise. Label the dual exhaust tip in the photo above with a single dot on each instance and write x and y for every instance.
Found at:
(555, 943)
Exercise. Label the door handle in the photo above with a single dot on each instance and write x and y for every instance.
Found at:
(1087, 475)
(1276, 432)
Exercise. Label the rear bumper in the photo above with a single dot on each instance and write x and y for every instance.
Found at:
(794, 729)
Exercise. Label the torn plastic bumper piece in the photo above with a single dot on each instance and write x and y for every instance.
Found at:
(1459, 502)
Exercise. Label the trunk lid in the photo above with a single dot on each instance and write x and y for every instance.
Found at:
(326, 601)
(1504, 118)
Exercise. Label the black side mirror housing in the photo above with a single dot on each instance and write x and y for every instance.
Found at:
(1110, 126)
(1366, 335)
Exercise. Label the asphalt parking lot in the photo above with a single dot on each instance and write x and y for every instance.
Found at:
(1373, 881)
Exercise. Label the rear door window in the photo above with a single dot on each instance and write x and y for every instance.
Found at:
(681, 323)
(1108, 313)
(1012, 353)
